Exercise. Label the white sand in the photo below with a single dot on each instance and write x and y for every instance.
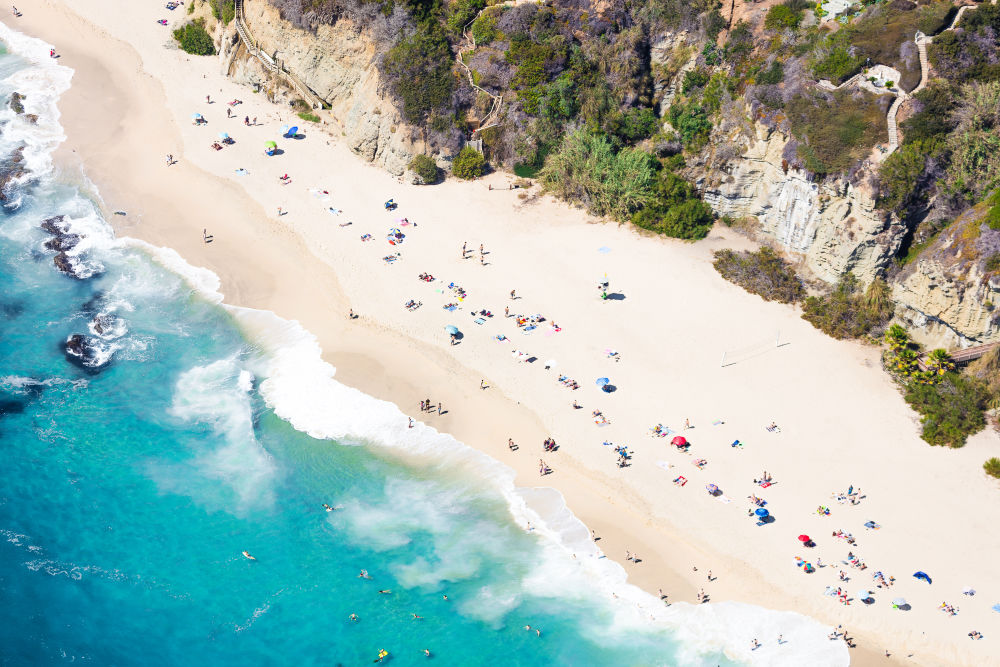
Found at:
(842, 420)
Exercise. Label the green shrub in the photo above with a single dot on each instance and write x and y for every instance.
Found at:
(694, 78)
(775, 74)
(675, 210)
(308, 116)
(950, 410)
(992, 218)
(993, 262)
(692, 123)
(836, 133)
(846, 312)
(837, 64)
(992, 467)
(469, 163)
(425, 167)
(935, 118)
(899, 174)
(484, 28)
(587, 168)
(418, 70)
(780, 17)
(194, 39)
(762, 272)
(633, 125)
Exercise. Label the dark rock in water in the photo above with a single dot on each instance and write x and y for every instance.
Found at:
(15, 102)
(86, 352)
(94, 304)
(11, 309)
(10, 170)
(10, 407)
(77, 346)
(51, 225)
(65, 264)
(103, 323)
(31, 118)
(64, 242)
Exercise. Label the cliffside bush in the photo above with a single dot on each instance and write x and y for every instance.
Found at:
(675, 210)
(847, 312)
(761, 272)
(418, 69)
(692, 123)
(950, 410)
(836, 129)
(992, 467)
(587, 168)
(468, 164)
(424, 167)
(193, 38)
(222, 10)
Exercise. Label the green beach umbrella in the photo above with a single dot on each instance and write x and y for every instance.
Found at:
(270, 144)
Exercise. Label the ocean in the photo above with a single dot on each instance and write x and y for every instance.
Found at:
(150, 435)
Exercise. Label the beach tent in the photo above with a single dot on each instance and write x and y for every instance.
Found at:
(804, 539)
(603, 382)
(922, 575)
(452, 329)
(898, 602)
(712, 489)
(679, 441)
(761, 512)
(968, 590)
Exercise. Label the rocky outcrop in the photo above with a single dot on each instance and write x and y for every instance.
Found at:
(336, 61)
(11, 169)
(948, 294)
(62, 241)
(833, 226)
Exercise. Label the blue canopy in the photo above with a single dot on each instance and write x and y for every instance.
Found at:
(452, 329)
(601, 382)
(922, 575)
(761, 512)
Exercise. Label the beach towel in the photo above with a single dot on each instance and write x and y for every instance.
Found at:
(528, 330)
(242, 172)
(717, 422)
(663, 464)
(450, 308)
(479, 320)
(334, 211)
(725, 500)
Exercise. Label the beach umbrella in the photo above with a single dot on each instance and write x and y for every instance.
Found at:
(864, 595)
(679, 441)
(996, 607)
(804, 538)
(603, 382)
(604, 250)
(196, 116)
(712, 488)
(968, 590)
(292, 131)
(270, 144)
(922, 575)
(550, 363)
(761, 512)
(898, 602)
(223, 135)
(284, 130)
(452, 329)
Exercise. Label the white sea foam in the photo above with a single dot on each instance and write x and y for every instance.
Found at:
(20, 384)
(216, 395)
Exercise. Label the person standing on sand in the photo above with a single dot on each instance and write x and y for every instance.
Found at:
(439, 408)
(208, 99)
(513, 295)
(411, 423)
(463, 249)
(422, 406)
(170, 159)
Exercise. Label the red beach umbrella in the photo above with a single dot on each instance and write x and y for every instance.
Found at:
(803, 538)
(679, 441)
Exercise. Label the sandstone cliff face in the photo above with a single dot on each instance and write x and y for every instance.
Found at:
(832, 226)
(338, 62)
(946, 294)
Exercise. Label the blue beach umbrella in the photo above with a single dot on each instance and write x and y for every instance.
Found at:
(996, 607)
(863, 595)
(922, 575)
(761, 512)
(284, 130)
(196, 116)
(223, 135)
(603, 382)
(452, 329)
(292, 131)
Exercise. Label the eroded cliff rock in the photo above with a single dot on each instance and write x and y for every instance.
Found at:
(336, 61)
(833, 226)
(948, 293)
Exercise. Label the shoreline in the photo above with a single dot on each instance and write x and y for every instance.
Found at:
(371, 354)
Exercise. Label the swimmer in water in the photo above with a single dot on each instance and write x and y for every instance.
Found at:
(364, 575)
(328, 508)
(427, 652)
(353, 617)
(386, 592)
(527, 627)
(417, 618)
(445, 597)
(246, 554)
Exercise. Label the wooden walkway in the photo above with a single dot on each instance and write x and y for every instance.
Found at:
(971, 353)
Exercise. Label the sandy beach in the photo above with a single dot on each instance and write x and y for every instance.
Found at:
(670, 320)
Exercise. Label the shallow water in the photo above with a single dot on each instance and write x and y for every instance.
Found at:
(134, 478)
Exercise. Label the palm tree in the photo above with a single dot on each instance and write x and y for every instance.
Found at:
(896, 337)
(905, 361)
(994, 403)
(939, 362)
(992, 467)
(877, 298)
